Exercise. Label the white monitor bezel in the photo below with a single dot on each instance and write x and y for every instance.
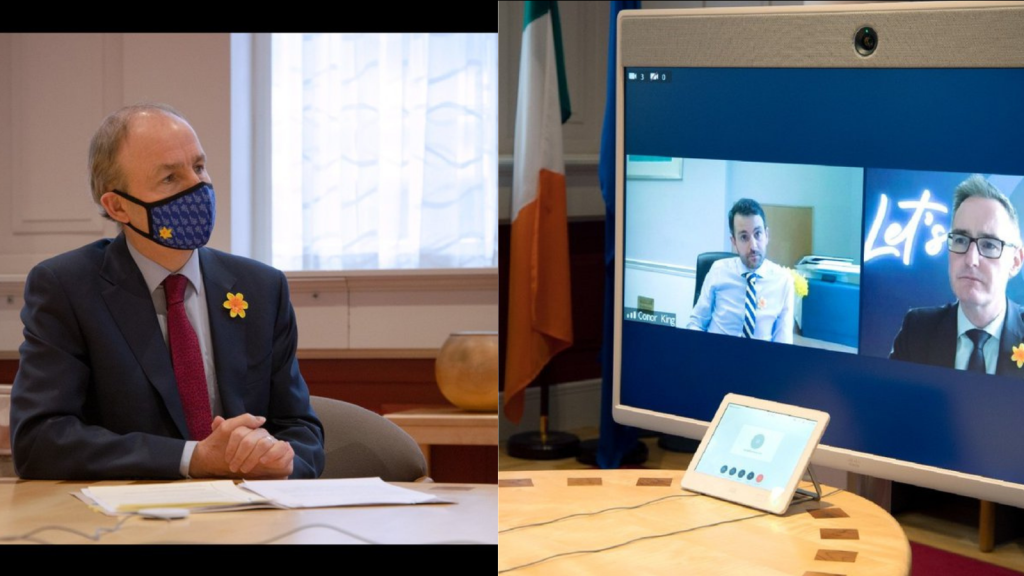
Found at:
(1004, 51)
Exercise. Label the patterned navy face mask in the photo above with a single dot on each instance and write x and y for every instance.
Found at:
(183, 221)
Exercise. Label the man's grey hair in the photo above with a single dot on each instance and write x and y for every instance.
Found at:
(977, 187)
(104, 171)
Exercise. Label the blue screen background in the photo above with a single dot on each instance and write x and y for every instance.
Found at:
(959, 121)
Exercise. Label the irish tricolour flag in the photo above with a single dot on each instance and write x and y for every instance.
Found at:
(539, 318)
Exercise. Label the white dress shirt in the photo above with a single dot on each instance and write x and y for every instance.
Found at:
(720, 307)
(965, 347)
(198, 315)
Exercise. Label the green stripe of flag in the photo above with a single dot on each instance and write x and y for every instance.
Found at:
(534, 10)
(563, 85)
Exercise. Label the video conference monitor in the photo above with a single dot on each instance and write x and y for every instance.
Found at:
(872, 160)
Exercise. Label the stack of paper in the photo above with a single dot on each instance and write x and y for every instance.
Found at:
(196, 496)
(347, 492)
(224, 495)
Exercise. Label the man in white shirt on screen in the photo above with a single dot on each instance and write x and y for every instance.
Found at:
(749, 296)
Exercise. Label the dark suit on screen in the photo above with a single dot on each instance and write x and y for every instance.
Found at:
(929, 336)
(96, 397)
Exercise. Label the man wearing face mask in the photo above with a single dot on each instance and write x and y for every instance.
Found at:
(749, 296)
(150, 356)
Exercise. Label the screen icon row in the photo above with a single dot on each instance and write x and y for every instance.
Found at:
(649, 76)
(742, 473)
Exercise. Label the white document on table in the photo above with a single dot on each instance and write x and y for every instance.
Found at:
(338, 492)
(196, 496)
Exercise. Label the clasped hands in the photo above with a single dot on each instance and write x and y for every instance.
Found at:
(238, 447)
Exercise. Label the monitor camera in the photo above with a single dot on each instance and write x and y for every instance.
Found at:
(866, 40)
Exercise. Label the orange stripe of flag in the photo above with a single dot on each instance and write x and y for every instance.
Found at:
(540, 302)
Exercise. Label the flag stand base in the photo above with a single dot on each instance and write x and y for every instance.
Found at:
(543, 444)
(531, 446)
(635, 456)
(678, 444)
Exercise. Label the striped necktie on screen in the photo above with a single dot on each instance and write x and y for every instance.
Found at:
(750, 307)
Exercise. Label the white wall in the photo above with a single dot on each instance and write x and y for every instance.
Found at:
(59, 89)
(672, 221)
(54, 90)
(835, 194)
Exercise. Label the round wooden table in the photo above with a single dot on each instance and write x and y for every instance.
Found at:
(633, 522)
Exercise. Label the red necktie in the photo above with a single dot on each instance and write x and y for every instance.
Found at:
(187, 360)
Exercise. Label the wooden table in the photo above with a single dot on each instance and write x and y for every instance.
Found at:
(28, 505)
(447, 426)
(672, 532)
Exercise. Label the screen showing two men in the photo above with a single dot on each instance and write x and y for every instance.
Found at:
(819, 241)
(788, 237)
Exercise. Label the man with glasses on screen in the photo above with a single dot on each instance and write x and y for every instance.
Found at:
(749, 296)
(977, 332)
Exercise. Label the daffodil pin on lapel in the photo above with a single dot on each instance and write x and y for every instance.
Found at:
(236, 304)
(1018, 354)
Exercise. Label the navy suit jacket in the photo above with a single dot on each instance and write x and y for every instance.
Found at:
(95, 395)
(928, 336)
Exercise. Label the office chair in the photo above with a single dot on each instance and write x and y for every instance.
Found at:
(359, 443)
(704, 262)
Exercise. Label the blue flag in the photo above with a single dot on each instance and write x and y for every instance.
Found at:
(616, 439)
